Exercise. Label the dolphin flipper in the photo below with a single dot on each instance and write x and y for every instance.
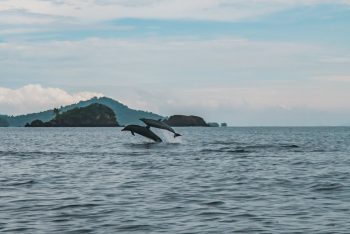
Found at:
(133, 133)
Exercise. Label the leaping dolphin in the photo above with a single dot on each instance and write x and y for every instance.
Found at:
(159, 124)
(143, 131)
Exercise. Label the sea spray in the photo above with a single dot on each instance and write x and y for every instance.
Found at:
(167, 137)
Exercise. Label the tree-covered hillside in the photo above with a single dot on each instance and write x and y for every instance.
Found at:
(3, 122)
(94, 115)
(124, 114)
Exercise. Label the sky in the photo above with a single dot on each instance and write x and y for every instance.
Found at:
(244, 62)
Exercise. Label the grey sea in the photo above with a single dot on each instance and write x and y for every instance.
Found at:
(211, 180)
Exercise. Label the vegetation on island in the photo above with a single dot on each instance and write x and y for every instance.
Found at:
(186, 121)
(3, 122)
(214, 124)
(94, 115)
(63, 117)
(125, 115)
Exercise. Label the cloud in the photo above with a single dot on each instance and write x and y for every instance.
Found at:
(32, 98)
(336, 60)
(226, 75)
(25, 17)
(237, 106)
(288, 103)
(219, 10)
(334, 78)
(150, 60)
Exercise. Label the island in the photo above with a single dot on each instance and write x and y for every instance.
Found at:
(124, 114)
(3, 122)
(213, 124)
(186, 121)
(94, 115)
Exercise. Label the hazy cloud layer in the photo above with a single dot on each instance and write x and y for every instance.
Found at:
(32, 98)
(168, 76)
(261, 62)
(237, 106)
(221, 10)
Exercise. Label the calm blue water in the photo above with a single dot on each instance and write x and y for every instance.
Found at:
(213, 180)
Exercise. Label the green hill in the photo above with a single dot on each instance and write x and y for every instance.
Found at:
(94, 115)
(3, 122)
(124, 114)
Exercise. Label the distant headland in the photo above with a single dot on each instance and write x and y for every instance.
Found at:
(93, 115)
(124, 114)
(186, 121)
(66, 116)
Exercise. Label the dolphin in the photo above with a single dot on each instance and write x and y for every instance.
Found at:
(143, 131)
(159, 124)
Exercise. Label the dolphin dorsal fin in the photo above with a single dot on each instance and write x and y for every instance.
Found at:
(160, 120)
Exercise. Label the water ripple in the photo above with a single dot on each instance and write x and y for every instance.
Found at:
(213, 180)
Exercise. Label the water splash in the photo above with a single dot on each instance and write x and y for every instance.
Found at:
(167, 137)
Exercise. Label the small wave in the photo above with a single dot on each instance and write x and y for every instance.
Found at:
(21, 183)
(225, 150)
(212, 213)
(81, 230)
(129, 184)
(135, 227)
(214, 203)
(272, 146)
(72, 206)
(19, 230)
(141, 145)
(301, 162)
(327, 187)
(225, 143)
(251, 148)
(152, 145)
(318, 151)
(244, 215)
(290, 146)
(61, 220)
(239, 151)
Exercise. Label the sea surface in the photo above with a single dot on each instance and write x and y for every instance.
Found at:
(211, 180)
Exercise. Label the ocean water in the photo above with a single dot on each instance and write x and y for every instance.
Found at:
(211, 180)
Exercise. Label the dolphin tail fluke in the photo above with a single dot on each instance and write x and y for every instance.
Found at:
(177, 135)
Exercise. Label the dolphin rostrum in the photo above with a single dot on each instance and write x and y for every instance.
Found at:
(159, 124)
(143, 131)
